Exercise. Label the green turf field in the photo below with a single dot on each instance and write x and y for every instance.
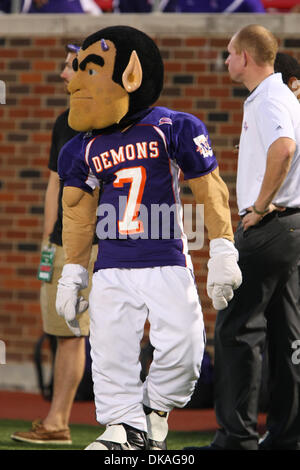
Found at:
(82, 435)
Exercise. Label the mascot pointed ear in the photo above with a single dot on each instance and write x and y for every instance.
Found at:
(133, 74)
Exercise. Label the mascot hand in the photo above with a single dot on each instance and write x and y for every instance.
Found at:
(224, 275)
(68, 303)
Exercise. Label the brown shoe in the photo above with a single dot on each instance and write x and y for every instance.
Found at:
(39, 435)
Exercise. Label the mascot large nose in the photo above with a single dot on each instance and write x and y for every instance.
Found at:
(75, 83)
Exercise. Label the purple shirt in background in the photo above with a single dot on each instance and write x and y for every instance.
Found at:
(62, 6)
(220, 6)
(191, 6)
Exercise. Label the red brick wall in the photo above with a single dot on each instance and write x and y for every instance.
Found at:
(196, 81)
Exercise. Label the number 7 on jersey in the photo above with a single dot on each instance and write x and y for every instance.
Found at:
(136, 176)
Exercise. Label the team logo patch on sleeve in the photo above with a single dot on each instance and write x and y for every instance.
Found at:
(165, 120)
(203, 146)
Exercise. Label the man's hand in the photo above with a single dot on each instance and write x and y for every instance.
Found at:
(252, 218)
(224, 275)
(68, 303)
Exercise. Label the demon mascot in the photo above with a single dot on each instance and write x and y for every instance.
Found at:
(134, 153)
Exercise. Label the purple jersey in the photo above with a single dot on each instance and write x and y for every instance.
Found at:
(140, 214)
(143, 6)
(220, 6)
(61, 6)
(5, 6)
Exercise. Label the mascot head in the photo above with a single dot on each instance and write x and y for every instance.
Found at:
(119, 72)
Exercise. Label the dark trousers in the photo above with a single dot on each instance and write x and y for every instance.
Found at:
(266, 306)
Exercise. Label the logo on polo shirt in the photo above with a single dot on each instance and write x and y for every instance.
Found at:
(245, 126)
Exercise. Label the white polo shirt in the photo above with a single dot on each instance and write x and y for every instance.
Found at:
(270, 112)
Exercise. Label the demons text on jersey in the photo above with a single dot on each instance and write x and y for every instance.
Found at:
(113, 157)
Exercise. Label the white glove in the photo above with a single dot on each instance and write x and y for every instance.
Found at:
(224, 275)
(74, 278)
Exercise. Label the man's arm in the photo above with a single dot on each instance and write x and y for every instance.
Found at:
(279, 159)
(51, 204)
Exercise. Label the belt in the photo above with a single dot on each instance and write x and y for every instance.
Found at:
(275, 213)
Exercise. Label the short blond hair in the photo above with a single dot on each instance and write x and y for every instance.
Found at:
(259, 42)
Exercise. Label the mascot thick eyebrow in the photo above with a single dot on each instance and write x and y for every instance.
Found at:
(135, 152)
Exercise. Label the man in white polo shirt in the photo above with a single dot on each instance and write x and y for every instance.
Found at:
(268, 241)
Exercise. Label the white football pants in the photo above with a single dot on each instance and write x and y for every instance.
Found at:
(120, 302)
